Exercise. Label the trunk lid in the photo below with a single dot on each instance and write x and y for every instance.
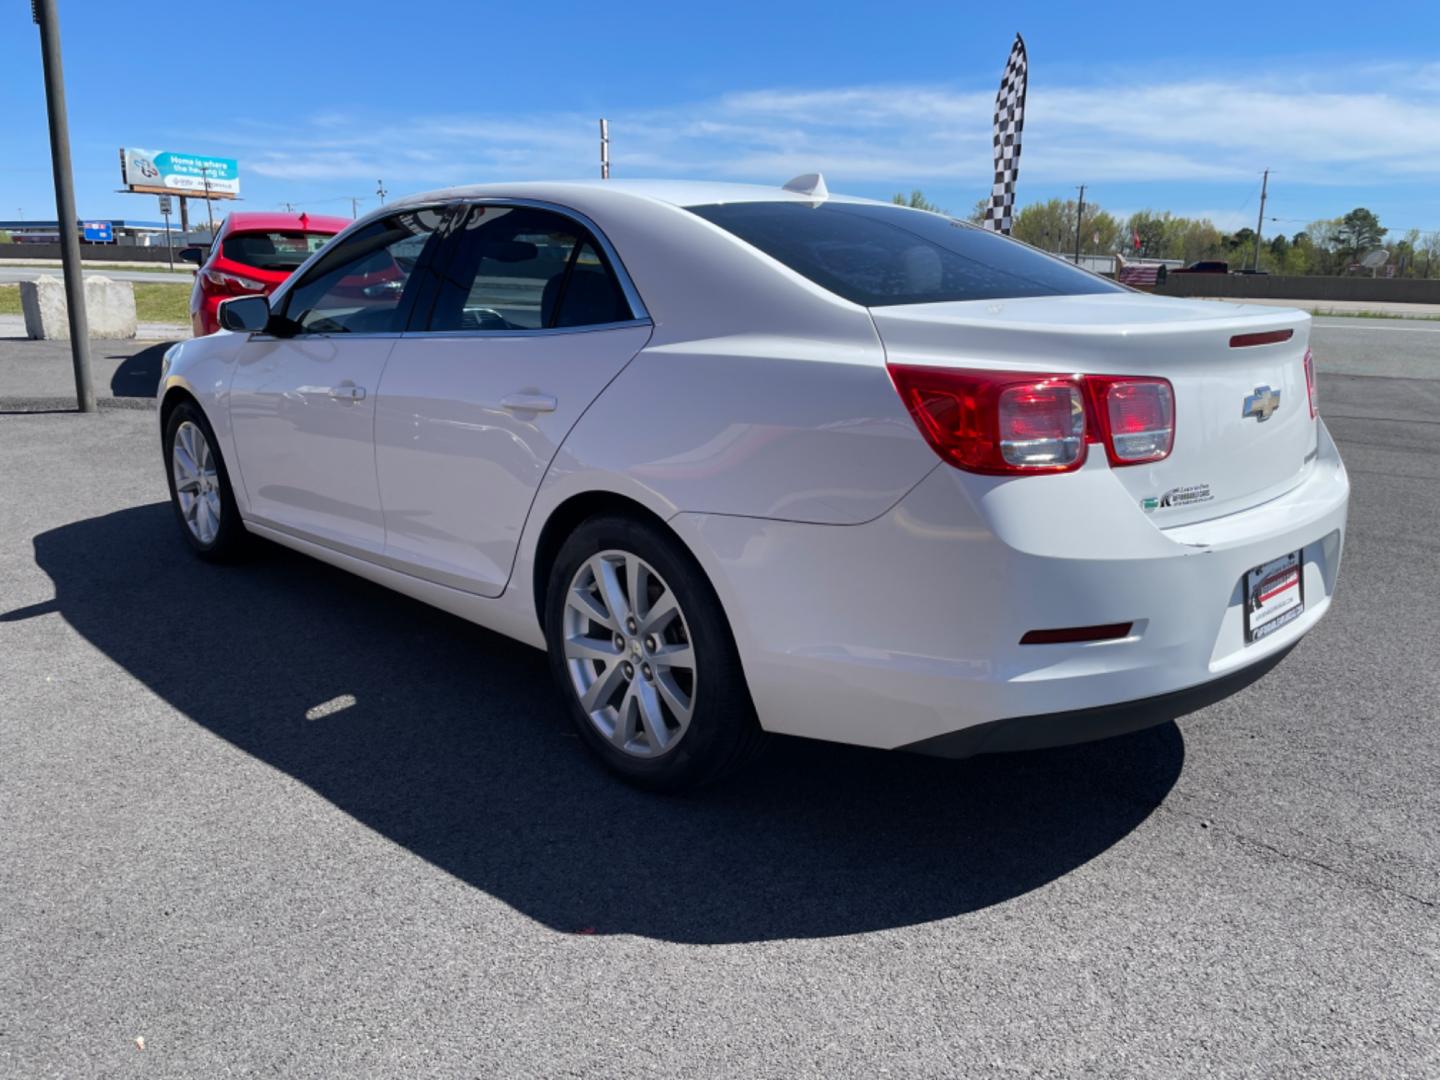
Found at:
(1226, 458)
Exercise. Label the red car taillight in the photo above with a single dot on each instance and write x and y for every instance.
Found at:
(232, 283)
(1016, 422)
(1310, 386)
(1136, 417)
(997, 422)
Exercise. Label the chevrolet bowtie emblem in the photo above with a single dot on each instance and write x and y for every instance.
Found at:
(1261, 403)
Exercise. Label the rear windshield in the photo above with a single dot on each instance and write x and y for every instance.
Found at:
(273, 250)
(880, 255)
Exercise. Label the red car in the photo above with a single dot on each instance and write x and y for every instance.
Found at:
(252, 254)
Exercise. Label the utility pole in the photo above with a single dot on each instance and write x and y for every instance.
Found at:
(209, 216)
(1079, 223)
(604, 149)
(1260, 221)
(354, 207)
(45, 16)
(380, 190)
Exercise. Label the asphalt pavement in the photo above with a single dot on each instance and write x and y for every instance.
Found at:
(271, 819)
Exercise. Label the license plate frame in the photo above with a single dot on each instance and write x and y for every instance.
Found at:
(1274, 595)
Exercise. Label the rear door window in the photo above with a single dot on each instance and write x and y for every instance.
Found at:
(879, 255)
(516, 268)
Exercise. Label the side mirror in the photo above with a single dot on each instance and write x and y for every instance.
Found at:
(245, 314)
(192, 255)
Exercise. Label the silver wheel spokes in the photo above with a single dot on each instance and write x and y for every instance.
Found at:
(628, 650)
(197, 484)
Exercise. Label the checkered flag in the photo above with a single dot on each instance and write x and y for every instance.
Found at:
(1009, 123)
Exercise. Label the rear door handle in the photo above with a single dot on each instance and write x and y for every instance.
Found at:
(348, 391)
(529, 403)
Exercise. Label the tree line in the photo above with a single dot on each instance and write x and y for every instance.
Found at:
(1328, 246)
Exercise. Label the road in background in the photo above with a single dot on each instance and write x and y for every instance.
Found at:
(272, 818)
(10, 275)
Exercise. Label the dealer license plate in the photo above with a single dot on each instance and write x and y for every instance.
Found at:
(1274, 596)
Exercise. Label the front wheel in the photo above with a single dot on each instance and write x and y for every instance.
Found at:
(644, 657)
(200, 486)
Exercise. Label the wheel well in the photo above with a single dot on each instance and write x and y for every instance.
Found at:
(567, 517)
(173, 397)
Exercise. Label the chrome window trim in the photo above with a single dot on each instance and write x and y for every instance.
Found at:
(638, 309)
(521, 332)
(327, 335)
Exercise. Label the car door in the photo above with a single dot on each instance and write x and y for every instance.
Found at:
(302, 400)
(532, 317)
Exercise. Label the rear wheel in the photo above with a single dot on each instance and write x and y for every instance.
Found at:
(644, 657)
(200, 487)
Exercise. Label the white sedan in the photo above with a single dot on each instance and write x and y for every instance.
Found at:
(752, 460)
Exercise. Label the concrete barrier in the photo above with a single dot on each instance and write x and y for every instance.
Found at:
(109, 308)
(1276, 287)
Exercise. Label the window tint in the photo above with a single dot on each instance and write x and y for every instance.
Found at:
(880, 255)
(273, 250)
(519, 268)
(364, 284)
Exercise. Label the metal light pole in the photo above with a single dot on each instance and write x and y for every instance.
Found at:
(380, 191)
(604, 149)
(1079, 223)
(43, 11)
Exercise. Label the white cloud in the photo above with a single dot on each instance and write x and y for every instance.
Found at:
(1145, 130)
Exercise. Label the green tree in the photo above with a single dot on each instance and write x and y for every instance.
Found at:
(916, 200)
(4, 236)
(1051, 227)
(1360, 231)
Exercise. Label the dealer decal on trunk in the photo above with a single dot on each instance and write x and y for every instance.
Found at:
(1188, 495)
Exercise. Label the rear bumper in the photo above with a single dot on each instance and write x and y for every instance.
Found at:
(1087, 725)
(907, 628)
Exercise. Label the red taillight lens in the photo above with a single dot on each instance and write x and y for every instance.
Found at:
(1016, 422)
(232, 283)
(1310, 385)
(997, 422)
(1136, 416)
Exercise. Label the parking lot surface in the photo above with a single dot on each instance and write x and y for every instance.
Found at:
(273, 819)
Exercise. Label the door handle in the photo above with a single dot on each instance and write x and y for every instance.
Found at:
(348, 391)
(529, 403)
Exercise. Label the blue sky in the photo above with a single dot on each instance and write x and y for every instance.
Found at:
(1165, 106)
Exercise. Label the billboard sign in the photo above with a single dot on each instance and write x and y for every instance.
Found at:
(98, 232)
(164, 171)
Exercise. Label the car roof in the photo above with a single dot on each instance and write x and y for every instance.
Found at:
(245, 220)
(673, 192)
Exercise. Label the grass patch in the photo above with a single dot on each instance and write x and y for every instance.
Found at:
(154, 302)
(1333, 314)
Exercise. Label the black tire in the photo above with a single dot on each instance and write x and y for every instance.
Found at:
(723, 732)
(230, 539)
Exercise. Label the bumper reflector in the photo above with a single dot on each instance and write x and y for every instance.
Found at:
(1071, 634)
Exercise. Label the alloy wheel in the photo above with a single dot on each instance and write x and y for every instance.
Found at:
(197, 482)
(629, 654)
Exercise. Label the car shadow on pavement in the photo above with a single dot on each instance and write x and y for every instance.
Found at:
(450, 741)
(139, 374)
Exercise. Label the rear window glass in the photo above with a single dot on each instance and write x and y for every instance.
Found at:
(273, 250)
(881, 255)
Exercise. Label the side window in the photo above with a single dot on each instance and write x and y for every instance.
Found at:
(519, 268)
(364, 285)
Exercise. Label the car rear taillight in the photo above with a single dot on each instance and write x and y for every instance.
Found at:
(1019, 422)
(1310, 385)
(996, 422)
(232, 283)
(1136, 416)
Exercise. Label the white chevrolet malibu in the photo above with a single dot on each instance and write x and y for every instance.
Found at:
(748, 459)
